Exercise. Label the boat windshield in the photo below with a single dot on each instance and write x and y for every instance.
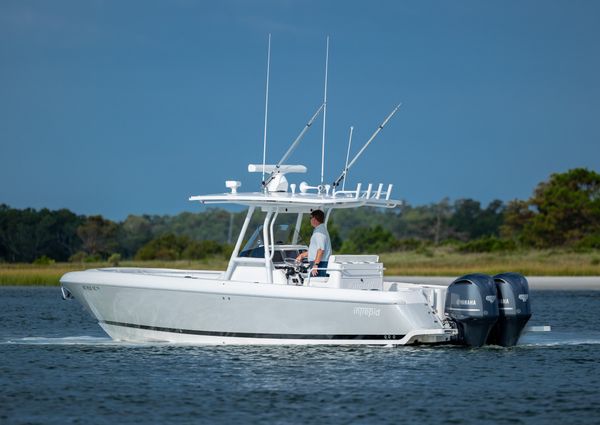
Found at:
(282, 234)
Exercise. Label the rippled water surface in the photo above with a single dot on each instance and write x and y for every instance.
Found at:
(57, 366)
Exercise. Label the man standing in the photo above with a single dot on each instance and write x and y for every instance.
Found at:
(319, 249)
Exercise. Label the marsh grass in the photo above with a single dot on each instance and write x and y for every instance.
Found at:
(49, 275)
(441, 261)
(444, 261)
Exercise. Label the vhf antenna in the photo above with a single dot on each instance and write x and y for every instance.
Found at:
(342, 176)
(324, 113)
(266, 108)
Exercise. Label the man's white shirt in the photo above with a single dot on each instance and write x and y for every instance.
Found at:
(319, 240)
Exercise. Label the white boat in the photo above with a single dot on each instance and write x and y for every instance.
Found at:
(264, 297)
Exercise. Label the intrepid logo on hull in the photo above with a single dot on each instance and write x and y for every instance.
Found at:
(366, 311)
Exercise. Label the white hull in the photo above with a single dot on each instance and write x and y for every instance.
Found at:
(140, 305)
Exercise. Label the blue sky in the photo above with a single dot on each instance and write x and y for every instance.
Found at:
(130, 107)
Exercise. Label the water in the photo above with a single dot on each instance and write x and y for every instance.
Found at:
(57, 366)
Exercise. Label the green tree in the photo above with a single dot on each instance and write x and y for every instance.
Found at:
(98, 235)
(470, 221)
(133, 233)
(58, 233)
(371, 240)
(419, 222)
(18, 236)
(29, 234)
(516, 216)
(562, 211)
(179, 247)
(166, 247)
(425, 222)
(197, 250)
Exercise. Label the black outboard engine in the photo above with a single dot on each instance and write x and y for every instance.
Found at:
(514, 306)
(471, 302)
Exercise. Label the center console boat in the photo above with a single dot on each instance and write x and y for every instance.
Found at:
(265, 297)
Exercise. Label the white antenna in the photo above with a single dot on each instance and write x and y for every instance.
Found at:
(266, 108)
(324, 113)
(347, 157)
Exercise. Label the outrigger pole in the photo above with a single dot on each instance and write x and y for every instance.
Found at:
(294, 144)
(337, 182)
(348, 156)
(300, 136)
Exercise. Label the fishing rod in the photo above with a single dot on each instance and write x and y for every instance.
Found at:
(342, 176)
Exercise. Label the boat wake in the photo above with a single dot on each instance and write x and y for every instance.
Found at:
(559, 338)
(534, 340)
(69, 340)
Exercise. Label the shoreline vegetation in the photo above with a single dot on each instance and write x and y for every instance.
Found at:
(439, 261)
(556, 232)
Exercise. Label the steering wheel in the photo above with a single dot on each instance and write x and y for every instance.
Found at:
(290, 261)
(295, 266)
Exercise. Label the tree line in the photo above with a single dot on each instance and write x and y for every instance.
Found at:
(563, 211)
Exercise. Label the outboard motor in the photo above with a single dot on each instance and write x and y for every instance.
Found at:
(514, 308)
(471, 302)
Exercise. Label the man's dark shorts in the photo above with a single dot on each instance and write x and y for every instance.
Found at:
(323, 266)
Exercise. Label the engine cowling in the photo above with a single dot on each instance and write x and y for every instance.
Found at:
(514, 309)
(472, 304)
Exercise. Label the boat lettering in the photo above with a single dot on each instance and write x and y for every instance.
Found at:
(503, 301)
(367, 311)
(466, 302)
(90, 288)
